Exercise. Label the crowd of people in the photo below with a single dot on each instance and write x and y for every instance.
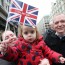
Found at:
(31, 48)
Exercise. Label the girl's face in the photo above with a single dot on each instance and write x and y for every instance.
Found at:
(29, 33)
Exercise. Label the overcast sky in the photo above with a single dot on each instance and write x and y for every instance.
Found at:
(43, 5)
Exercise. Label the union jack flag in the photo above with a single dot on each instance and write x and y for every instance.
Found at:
(23, 12)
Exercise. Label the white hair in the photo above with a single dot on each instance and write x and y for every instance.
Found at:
(51, 22)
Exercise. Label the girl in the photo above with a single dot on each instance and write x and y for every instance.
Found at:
(30, 49)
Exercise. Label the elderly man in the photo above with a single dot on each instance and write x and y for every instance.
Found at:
(56, 41)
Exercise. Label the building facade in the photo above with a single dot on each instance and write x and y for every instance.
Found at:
(57, 8)
(43, 25)
(4, 8)
(40, 26)
(46, 21)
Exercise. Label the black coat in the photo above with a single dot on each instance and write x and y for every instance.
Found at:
(4, 62)
(56, 44)
(48, 32)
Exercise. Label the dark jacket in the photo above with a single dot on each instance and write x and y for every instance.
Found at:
(56, 44)
(48, 32)
(30, 54)
(4, 62)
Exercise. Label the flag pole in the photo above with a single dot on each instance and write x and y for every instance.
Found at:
(5, 34)
(5, 29)
(6, 25)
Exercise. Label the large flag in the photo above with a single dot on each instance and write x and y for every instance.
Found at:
(22, 12)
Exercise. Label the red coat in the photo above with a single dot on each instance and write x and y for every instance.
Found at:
(30, 54)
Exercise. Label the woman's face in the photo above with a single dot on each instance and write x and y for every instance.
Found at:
(9, 36)
(29, 33)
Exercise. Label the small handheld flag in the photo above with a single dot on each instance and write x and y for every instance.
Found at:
(22, 12)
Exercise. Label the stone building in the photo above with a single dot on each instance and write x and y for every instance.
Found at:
(4, 8)
(57, 8)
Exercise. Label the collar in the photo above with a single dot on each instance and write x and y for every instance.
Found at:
(60, 36)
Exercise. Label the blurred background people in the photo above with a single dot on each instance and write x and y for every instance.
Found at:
(49, 31)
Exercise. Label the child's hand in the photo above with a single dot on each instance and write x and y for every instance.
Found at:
(3, 46)
(12, 42)
(62, 60)
(44, 62)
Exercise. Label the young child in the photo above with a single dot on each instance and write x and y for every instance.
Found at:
(31, 49)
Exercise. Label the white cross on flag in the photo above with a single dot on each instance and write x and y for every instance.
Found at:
(22, 12)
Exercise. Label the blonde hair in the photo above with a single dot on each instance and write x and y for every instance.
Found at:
(20, 28)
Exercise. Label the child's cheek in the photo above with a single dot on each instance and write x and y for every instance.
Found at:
(25, 37)
(34, 35)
